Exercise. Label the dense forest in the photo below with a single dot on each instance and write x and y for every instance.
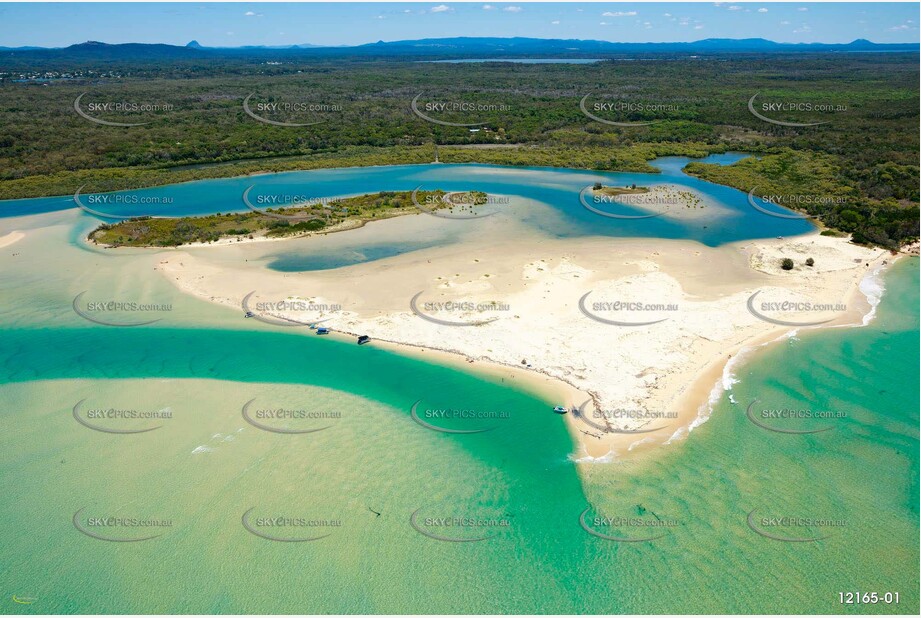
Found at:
(354, 112)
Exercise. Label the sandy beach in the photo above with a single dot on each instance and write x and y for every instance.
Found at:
(634, 332)
(9, 239)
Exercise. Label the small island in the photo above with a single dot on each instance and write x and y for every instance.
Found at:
(663, 196)
(332, 215)
(631, 190)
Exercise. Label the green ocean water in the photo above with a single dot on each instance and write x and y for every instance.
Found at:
(371, 467)
(206, 466)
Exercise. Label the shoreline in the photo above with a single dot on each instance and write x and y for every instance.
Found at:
(256, 239)
(726, 375)
(679, 373)
(717, 377)
(537, 383)
(343, 226)
(68, 196)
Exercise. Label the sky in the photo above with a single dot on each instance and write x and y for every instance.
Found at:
(253, 23)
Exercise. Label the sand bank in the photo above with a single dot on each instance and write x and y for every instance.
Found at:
(636, 332)
(11, 238)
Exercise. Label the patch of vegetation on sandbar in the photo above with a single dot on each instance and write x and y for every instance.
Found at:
(658, 196)
(631, 190)
(297, 220)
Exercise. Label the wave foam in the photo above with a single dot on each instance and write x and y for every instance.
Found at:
(603, 459)
(872, 286)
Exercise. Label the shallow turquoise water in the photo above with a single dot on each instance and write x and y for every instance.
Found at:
(862, 473)
(374, 466)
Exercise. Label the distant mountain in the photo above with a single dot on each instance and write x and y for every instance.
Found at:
(512, 46)
(102, 52)
(447, 48)
(198, 45)
(24, 48)
(301, 46)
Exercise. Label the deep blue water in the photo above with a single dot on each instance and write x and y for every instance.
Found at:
(559, 188)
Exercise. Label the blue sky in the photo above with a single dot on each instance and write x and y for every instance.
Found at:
(253, 23)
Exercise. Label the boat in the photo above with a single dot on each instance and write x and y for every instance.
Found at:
(363, 339)
(560, 409)
(322, 331)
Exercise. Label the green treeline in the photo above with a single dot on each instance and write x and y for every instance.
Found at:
(526, 115)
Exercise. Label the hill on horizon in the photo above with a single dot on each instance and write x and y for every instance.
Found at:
(459, 47)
